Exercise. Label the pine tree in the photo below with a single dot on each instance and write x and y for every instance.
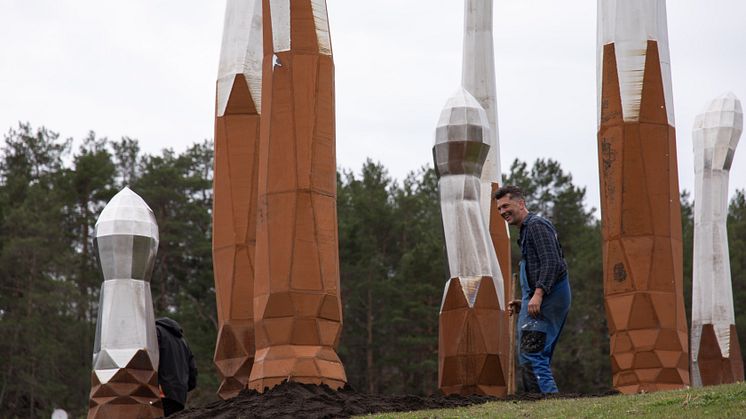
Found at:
(421, 275)
(38, 300)
(367, 247)
(737, 248)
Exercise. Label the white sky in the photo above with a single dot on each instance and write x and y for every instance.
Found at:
(147, 69)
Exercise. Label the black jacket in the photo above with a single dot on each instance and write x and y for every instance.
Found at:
(177, 371)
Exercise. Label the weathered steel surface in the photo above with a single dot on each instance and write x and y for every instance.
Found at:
(235, 184)
(297, 307)
(640, 207)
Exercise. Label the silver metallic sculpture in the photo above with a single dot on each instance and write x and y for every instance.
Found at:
(124, 382)
(469, 353)
(460, 150)
(715, 353)
(478, 78)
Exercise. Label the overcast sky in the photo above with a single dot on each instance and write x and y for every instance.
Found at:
(147, 69)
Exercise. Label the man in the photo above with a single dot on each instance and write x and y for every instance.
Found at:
(177, 371)
(545, 291)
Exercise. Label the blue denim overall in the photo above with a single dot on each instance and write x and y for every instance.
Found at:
(537, 336)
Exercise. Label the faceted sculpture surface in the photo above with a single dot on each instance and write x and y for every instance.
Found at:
(124, 382)
(716, 354)
(470, 356)
(235, 191)
(478, 78)
(297, 308)
(640, 207)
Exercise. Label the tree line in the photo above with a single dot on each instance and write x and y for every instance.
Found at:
(392, 269)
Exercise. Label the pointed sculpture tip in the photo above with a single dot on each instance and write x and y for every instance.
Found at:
(728, 95)
(462, 98)
(125, 191)
(127, 194)
(462, 119)
(727, 101)
(456, 108)
(127, 214)
(126, 205)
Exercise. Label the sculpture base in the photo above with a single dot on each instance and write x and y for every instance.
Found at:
(130, 392)
(113, 410)
(469, 356)
(234, 356)
(467, 369)
(711, 366)
(308, 364)
(649, 360)
(649, 343)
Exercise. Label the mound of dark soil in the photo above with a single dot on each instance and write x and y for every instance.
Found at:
(296, 400)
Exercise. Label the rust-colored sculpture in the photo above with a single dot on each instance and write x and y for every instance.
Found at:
(641, 219)
(470, 360)
(297, 309)
(124, 382)
(235, 191)
(469, 357)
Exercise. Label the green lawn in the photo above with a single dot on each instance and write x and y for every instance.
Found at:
(727, 401)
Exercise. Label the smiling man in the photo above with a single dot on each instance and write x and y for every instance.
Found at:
(545, 291)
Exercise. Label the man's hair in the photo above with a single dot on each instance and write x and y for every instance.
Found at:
(512, 191)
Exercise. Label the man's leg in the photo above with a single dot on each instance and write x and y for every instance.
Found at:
(531, 342)
(535, 359)
(538, 338)
(530, 384)
(557, 308)
(171, 406)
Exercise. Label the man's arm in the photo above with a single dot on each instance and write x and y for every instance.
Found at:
(544, 241)
(192, 371)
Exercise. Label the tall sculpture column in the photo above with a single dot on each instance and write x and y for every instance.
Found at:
(124, 382)
(640, 208)
(716, 354)
(234, 213)
(478, 78)
(470, 360)
(297, 308)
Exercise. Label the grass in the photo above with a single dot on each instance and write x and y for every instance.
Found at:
(726, 401)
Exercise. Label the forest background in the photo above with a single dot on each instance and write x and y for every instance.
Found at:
(392, 260)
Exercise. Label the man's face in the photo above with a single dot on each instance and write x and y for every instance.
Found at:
(512, 210)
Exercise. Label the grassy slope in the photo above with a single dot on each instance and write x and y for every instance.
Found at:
(727, 401)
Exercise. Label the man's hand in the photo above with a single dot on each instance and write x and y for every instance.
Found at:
(514, 307)
(534, 305)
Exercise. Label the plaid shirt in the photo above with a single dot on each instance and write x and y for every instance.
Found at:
(541, 252)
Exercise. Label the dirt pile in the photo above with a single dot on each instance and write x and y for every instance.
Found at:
(296, 400)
